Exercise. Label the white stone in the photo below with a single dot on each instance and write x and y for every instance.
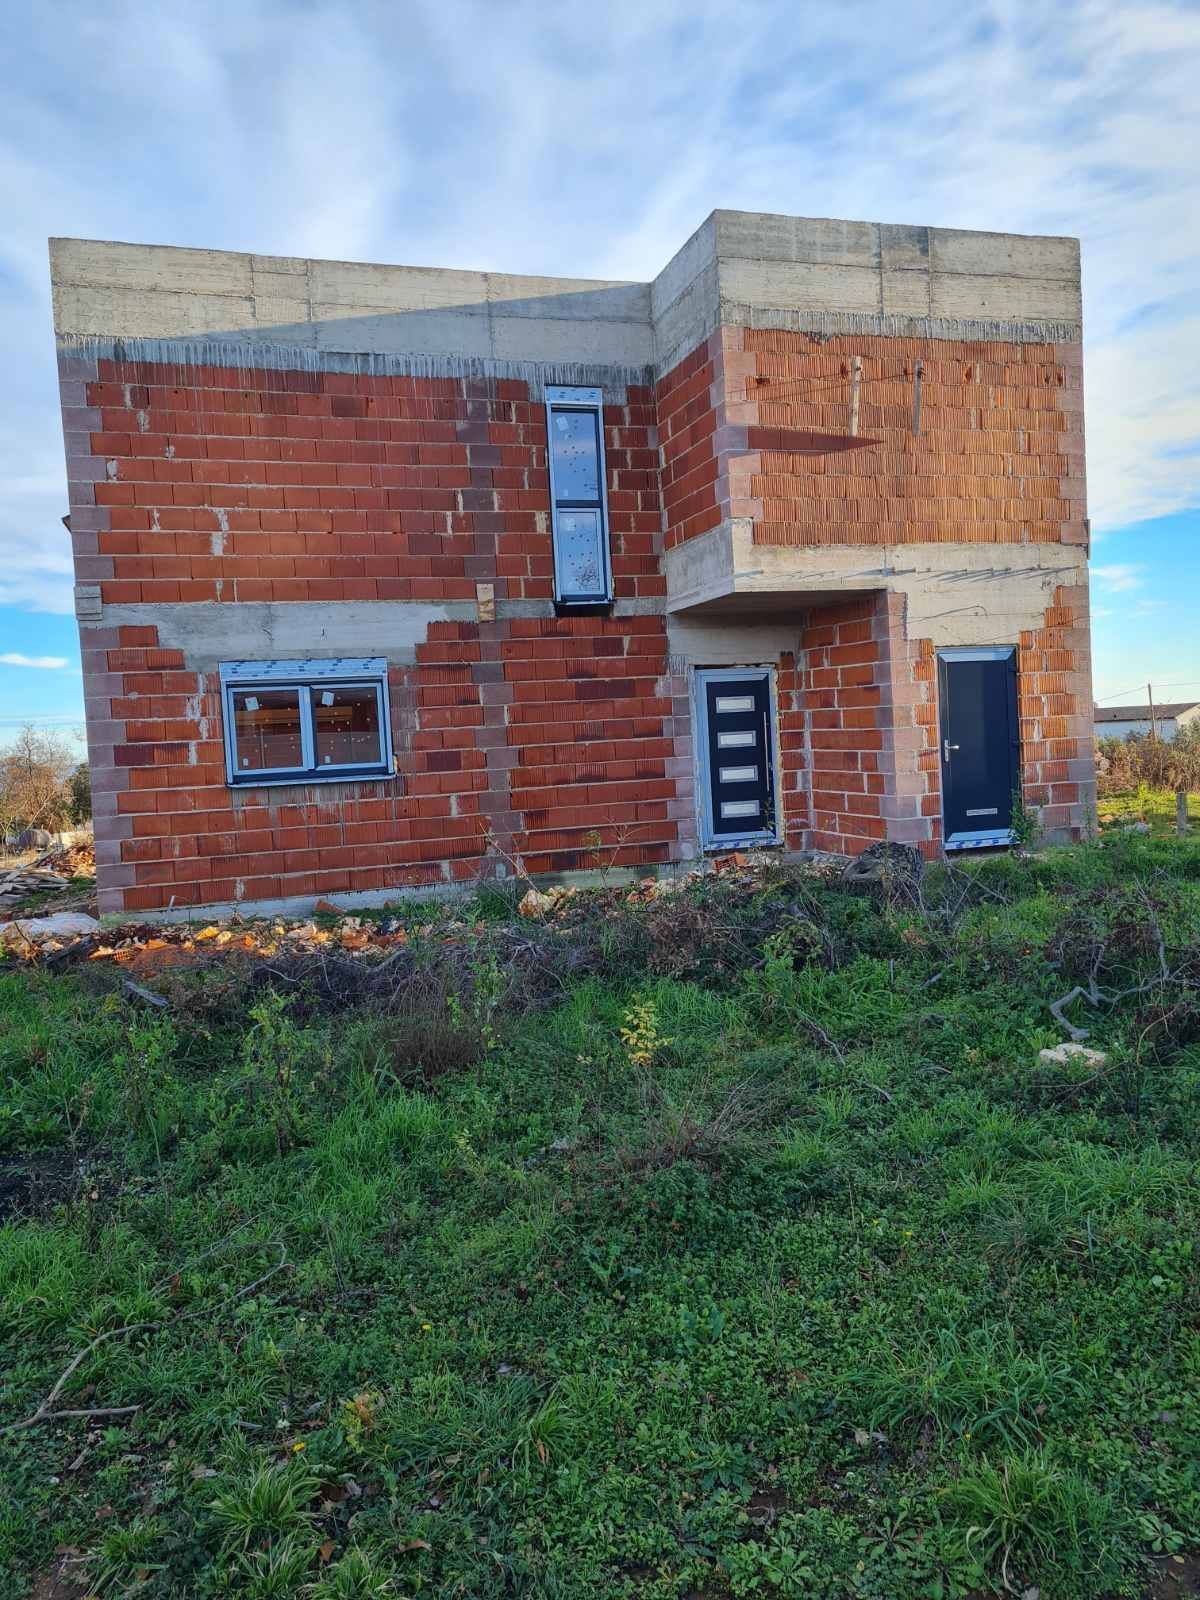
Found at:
(33, 930)
(1069, 1052)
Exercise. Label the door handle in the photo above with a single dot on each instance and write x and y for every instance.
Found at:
(946, 749)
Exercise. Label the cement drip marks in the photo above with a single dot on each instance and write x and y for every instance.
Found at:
(254, 353)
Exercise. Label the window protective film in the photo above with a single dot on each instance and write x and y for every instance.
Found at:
(346, 728)
(575, 445)
(267, 734)
(580, 557)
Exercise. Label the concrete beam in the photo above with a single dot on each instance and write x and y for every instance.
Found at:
(957, 594)
(743, 268)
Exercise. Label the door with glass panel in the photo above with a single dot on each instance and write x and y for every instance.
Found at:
(736, 738)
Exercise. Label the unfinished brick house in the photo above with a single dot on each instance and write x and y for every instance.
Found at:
(390, 577)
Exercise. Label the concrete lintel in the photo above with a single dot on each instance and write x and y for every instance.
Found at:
(209, 633)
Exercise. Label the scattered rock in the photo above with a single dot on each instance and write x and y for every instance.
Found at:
(1068, 1053)
(894, 865)
(536, 904)
(37, 930)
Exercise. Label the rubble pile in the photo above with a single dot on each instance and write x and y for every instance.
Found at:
(75, 861)
(19, 883)
(47, 873)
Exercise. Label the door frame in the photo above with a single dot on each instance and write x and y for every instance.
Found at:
(980, 838)
(760, 836)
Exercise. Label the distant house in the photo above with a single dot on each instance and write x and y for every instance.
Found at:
(1118, 722)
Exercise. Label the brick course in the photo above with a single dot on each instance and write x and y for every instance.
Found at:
(229, 485)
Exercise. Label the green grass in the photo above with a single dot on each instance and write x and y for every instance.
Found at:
(1153, 806)
(822, 1285)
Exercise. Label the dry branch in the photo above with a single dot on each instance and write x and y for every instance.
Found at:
(47, 1412)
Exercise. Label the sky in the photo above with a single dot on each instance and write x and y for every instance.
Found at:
(591, 141)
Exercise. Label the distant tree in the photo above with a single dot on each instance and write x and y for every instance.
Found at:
(34, 781)
(79, 792)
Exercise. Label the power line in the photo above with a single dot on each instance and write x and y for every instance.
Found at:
(1185, 683)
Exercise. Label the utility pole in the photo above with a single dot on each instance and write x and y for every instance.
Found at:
(1153, 718)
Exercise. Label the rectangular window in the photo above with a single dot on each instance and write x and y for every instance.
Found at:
(579, 508)
(306, 721)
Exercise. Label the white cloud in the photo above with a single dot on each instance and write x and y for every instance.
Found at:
(593, 143)
(14, 658)
(1119, 576)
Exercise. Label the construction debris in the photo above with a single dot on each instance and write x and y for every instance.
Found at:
(48, 873)
(18, 885)
(75, 861)
(71, 937)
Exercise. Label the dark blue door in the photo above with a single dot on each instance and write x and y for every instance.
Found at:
(980, 743)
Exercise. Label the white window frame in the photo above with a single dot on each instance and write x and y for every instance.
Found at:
(563, 398)
(709, 840)
(340, 672)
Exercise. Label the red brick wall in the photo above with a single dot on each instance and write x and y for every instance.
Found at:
(687, 400)
(226, 484)
(998, 460)
(870, 694)
(841, 671)
(794, 773)
(565, 743)
(1053, 687)
(999, 457)
(589, 728)
(543, 741)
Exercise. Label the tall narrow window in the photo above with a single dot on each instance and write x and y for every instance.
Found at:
(575, 425)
